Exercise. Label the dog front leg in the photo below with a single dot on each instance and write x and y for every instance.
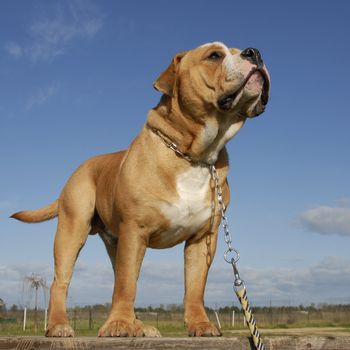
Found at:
(198, 258)
(122, 321)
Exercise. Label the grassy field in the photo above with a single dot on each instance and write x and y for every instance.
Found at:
(325, 320)
(177, 329)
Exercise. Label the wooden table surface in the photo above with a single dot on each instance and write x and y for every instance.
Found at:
(239, 343)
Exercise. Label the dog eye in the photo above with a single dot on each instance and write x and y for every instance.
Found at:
(215, 56)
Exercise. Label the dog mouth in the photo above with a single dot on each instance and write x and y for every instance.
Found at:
(227, 101)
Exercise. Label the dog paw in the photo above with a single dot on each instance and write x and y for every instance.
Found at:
(203, 329)
(146, 330)
(118, 328)
(59, 330)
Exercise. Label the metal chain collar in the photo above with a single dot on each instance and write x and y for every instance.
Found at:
(173, 146)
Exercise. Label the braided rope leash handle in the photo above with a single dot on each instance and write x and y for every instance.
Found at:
(250, 320)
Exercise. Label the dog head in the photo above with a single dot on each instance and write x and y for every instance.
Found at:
(216, 79)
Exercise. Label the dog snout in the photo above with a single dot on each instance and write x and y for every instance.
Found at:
(253, 55)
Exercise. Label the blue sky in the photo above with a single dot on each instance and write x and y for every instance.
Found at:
(76, 81)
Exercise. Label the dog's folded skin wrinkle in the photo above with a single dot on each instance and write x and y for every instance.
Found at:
(149, 196)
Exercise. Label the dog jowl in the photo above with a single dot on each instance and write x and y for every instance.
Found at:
(158, 192)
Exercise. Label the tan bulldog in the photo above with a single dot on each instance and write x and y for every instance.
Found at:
(159, 191)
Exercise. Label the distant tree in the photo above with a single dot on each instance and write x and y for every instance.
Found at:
(312, 307)
(225, 309)
(175, 308)
(14, 308)
(100, 307)
(150, 308)
(2, 305)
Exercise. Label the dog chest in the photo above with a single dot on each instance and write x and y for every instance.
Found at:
(191, 210)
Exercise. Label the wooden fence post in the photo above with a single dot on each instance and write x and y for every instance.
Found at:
(217, 319)
(24, 319)
(90, 318)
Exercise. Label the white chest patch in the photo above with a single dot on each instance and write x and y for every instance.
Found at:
(191, 210)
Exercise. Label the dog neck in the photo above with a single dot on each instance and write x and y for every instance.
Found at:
(202, 137)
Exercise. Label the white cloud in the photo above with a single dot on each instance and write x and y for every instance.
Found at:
(304, 285)
(14, 49)
(51, 35)
(343, 202)
(326, 281)
(327, 220)
(41, 96)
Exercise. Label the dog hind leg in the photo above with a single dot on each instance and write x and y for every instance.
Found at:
(66, 253)
(76, 209)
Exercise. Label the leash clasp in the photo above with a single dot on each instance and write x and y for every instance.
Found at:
(238, 282)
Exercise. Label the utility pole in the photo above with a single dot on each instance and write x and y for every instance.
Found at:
(271, 316)
(90, 317)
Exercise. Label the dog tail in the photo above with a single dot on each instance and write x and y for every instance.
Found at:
(39, 215)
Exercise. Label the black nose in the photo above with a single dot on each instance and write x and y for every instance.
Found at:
(252, 55)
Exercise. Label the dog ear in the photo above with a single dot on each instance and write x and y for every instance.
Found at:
(166, 81)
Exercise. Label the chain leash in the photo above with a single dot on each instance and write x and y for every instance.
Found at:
(231, 255)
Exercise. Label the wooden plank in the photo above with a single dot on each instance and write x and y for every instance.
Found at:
(239, 343)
